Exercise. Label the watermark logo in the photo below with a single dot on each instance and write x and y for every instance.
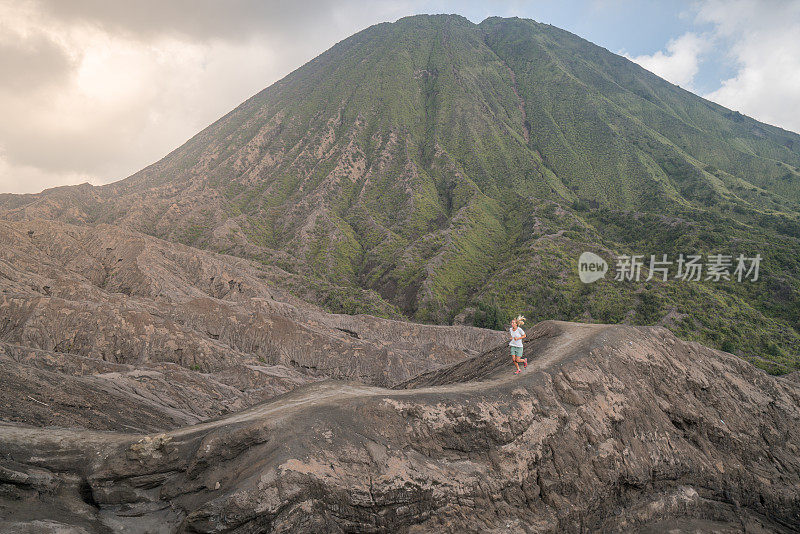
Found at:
(591, 267)
(691, 268)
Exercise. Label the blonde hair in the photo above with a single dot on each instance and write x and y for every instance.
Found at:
(520, 320)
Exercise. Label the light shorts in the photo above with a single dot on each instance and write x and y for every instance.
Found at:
(516, 351)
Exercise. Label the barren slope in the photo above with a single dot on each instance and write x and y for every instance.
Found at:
(109, 329)
(610, 428)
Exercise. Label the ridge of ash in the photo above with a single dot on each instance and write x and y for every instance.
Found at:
(610, 428)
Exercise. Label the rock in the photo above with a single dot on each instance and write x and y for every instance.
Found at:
(611, 428)
(109, 329)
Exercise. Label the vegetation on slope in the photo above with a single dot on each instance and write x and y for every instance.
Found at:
(454, 172)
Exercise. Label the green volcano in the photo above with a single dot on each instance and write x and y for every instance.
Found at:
(445, 171)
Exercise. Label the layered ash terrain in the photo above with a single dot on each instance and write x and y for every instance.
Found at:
(171, 360)
(611, 428)
(109, 329)
(152, 387)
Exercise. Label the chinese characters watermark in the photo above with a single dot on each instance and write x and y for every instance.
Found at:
(692, 267)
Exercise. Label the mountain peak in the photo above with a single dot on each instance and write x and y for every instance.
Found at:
(421, 158)
(436, 17)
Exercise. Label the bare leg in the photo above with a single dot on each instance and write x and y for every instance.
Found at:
(516, 361)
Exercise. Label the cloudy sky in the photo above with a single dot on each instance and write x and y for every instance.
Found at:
(94, 90)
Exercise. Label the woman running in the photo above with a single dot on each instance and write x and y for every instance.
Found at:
(517, 335)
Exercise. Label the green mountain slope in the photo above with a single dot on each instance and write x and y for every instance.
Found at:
(457, 171)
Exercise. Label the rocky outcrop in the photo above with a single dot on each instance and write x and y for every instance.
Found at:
(44, 388)
(106, 328)
(611, 428)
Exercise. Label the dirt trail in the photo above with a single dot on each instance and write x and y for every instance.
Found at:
(565, 344)
(550, 352)
(557, 349)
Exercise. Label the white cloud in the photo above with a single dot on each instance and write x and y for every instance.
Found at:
(27, 179)
(681, 61)
(764, 40)
(94, 90)
(760, 37)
